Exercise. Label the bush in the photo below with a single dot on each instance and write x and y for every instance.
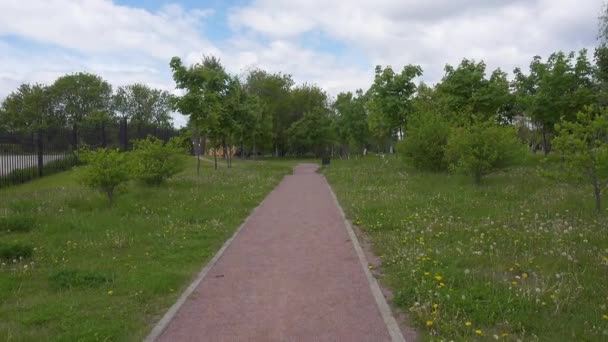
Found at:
(106, 171)
(13, 224)
(425, 143)
(482, 148)
(154, 161)
(15, 251)
(69, 279)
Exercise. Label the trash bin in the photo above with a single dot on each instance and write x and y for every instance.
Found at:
(325, 161)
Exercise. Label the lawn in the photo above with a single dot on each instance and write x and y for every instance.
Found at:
(520, 257)
(97, 273)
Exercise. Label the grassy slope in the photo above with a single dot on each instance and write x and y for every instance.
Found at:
(147, 247)
(520, 257)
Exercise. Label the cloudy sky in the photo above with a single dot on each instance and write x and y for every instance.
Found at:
(333, 43)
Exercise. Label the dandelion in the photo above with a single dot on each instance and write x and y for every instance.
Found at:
(110, 293)
(513, 283)
(504, 334)
(441, 284)
(468, 324)
(438, 277)
(605, 317)
(435, 306)
(525, 275)
(479, 332)
(429, 323)
(427, 273)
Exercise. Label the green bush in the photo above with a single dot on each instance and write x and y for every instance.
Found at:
(482, 148)
(68, 279)
(154, 161)
(424, 145)
(106, 170)
(13, 224)
(15, 251)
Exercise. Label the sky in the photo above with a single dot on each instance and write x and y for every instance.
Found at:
(333, 43)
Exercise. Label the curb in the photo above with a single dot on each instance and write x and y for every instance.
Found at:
(385, 310)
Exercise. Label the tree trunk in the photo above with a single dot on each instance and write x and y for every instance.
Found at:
(254, 152)
(215, 157)
(103, 134)
(110, 193)
(545, 143)
(197, 150)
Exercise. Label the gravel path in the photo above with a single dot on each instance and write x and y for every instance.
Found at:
(290, 274)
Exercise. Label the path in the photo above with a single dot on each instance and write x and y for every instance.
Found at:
(290, 274)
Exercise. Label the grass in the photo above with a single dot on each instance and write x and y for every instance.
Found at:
(520, 257)
(95, 273)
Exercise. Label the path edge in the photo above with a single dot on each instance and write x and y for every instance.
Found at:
(164, 322)
(385, 310)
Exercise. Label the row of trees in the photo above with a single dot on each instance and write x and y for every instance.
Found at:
(83, 100)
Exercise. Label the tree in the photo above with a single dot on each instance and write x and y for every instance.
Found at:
(312, 133)
(481, 148)
(143, 106)
(351, 121)
(78, 96)
(426, 141)
(28, 109)
(106, 170)
(583, 146)
(274, 92)
(390, 101)
(154, 161)
(553, 90)
(465, 94)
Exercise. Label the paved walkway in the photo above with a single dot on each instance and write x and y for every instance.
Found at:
(291, 274)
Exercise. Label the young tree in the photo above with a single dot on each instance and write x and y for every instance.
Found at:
(481, 148)
(351, 121)
(312, 133)
(154, 161)
(583, 145)
(426, 141)
(205, 85)
(105, 171)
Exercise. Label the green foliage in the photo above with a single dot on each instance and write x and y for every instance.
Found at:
(351, 121)
(482, 148)
(16, 224)
(153, 161)
(71, 279)
(583, 147)
(105, 171)
(15, 251)
(313, 132)
(426, 142)
(28, 109)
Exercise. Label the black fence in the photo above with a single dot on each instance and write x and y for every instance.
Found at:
(27, 156)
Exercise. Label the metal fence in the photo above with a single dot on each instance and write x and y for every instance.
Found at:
(25, 156)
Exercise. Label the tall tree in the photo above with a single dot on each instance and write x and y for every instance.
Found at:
(351, 121)
(78, 96)
(28, 109)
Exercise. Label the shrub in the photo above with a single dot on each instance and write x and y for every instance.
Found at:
(15, 251)
(155, 161)
(482, 148)
(12, 224)
(424, 145)
(68, 279)
(106, 170)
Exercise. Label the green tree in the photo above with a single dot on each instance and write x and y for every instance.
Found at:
(312, 133)
(481, 148)
(351, 122)
(154, 161)
(28, 109)
(390, 101)
(426, 141)
(105, 171)
(78, 96)
(583, 146)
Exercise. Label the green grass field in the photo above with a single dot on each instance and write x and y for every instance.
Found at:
(97, 273)
(520, 257)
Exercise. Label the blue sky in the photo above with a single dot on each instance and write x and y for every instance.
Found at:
(335, 44)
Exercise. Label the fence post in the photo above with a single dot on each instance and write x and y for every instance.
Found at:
(39, 150)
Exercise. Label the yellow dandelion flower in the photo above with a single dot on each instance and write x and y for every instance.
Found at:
(438, 277)
(435, 306)
(479, 332)
(429, 323)
(525, 275)
(513, 283)
(468, 324)
(441, 284)
(427, 273)
(605, 317)
(504, 334)
(110, 292)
